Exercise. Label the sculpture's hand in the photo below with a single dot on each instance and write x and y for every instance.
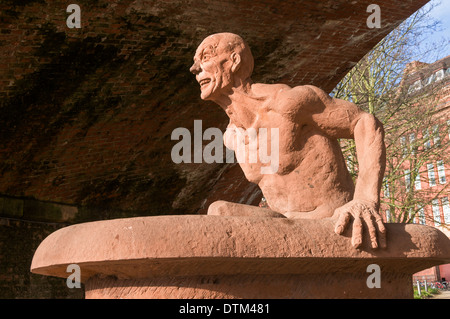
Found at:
(361, 211)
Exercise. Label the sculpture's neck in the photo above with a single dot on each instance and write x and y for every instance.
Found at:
(241, 105)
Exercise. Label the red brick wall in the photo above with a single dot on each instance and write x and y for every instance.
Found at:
(440, 102)
(18, 242)
(86, 114)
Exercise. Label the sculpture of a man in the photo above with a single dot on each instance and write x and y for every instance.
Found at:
(312, 180)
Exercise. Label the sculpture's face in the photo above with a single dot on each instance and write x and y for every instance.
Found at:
(212, 68)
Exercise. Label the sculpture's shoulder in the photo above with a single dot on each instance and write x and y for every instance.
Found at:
(271, 90)
(286, 99)
(310, 94)
(293, 102)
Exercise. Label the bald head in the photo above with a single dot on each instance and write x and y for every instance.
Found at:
(222, 60)
(230, 42)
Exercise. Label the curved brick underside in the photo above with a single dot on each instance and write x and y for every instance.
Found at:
(87, 114)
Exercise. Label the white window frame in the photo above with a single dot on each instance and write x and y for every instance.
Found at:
(436, 212)
(412, 138)
(417, 182)
(446, 209)
(431, 175)
(448, 127)
(407, 178)
(441, 172)
(404, 145)
(439, 75)
(417, 85)
(430, 79)
(436, 137)
(388, 215)
(422, 216)
(386, 192)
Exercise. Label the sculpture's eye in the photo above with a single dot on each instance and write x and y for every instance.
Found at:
(206, 54)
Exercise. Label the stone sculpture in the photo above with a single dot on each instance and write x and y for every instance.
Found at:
(312, 180)
(266, 257)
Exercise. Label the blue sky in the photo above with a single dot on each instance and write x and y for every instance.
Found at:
(441, 13)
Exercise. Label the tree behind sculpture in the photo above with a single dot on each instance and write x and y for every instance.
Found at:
(378, 85)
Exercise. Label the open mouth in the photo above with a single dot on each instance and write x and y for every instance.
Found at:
(204, 82)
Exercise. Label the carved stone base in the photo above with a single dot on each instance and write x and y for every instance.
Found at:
(333, 285)
(203, 256)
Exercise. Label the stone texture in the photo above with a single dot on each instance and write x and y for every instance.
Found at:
(286, 140)
(293, 286)
(235, 257)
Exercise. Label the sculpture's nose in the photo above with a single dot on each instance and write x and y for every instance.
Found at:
(195, 68)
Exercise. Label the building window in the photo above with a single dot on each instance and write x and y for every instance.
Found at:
(417, 182)
(436, 212)
(403, 144)
(386, 188)
(388, 215)
(416, 86)
(439, 75)
(446, 208)
(411, 214)
(436, 137)
(421, 216)
(448, 122)
(430, 79)
(431, 176)
(412, 139)
(407, 178)
(350, 164)
(441, 172)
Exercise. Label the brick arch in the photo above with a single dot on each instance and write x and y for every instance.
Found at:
(87, 113)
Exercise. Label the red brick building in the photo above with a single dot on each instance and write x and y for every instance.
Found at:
(429, 85)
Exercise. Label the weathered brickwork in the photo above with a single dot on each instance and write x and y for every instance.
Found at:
(87, 114)
(18, 242)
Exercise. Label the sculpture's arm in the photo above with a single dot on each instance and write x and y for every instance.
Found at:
(364, 208)
(371, 154)
(342, 119)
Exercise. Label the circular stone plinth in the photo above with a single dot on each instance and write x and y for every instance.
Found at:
(200, 256)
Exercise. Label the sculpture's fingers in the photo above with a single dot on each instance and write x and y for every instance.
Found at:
(367, 215)
(357, 232)
(342, 222)
(381, 231)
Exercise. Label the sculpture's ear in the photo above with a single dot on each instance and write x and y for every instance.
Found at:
(236, 58)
